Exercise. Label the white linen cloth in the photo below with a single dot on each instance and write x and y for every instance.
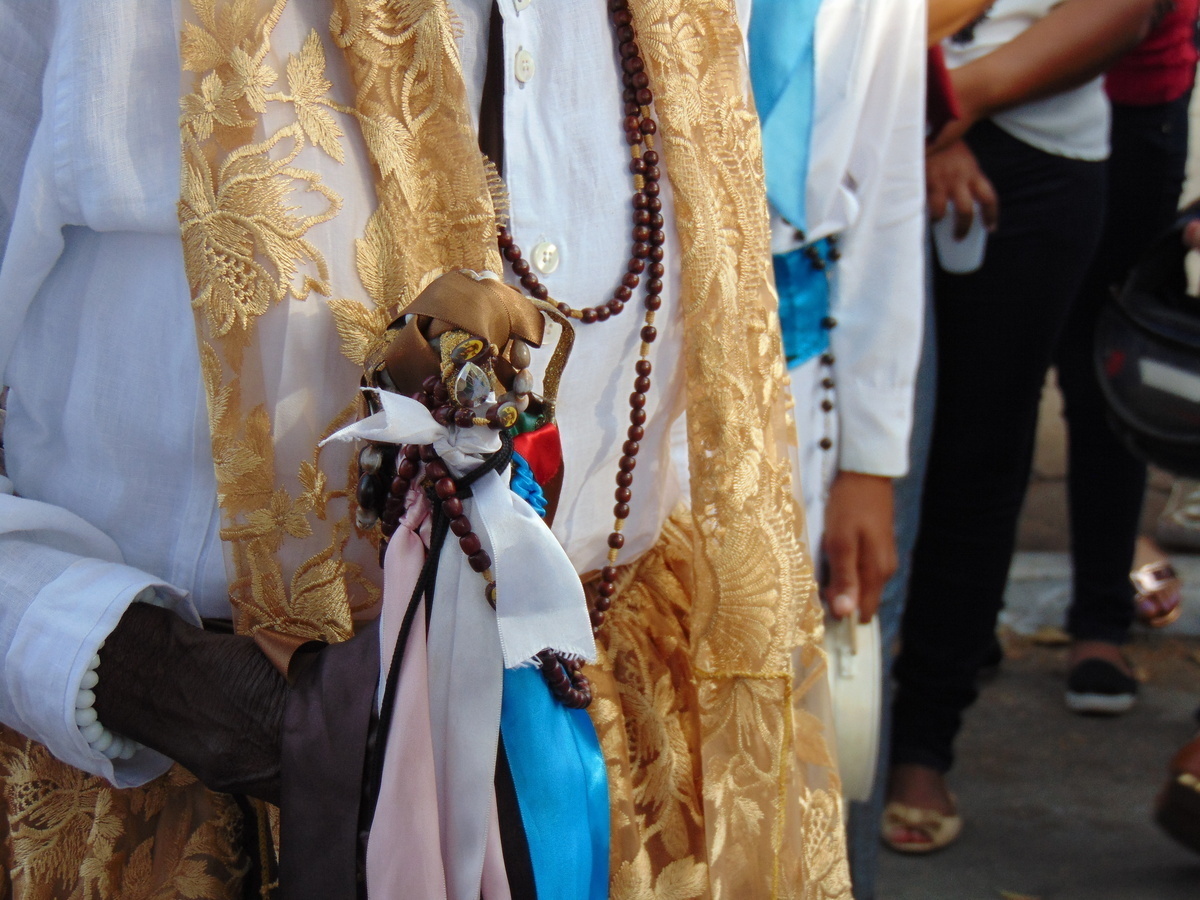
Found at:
(866, 182)
(1073, 123)
(107, 441)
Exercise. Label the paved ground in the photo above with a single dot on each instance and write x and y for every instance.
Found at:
(1057, 807)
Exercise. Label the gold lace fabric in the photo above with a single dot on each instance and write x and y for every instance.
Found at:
(712, 689)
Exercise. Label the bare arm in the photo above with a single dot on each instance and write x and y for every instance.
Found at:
(1072, 44)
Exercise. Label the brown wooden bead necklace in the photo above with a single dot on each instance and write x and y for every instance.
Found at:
(646, 259)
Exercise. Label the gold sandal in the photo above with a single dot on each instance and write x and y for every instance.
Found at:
(942, 829)
(1159, 598)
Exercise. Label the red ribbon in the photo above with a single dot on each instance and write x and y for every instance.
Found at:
(542, 449)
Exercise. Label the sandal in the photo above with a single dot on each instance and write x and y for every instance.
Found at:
(941, 829)
(1159, 598)
(1177, 810)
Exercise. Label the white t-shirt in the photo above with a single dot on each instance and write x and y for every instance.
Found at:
(1074, 124)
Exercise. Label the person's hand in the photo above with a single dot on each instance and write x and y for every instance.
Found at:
(859, 544)
(953, 174)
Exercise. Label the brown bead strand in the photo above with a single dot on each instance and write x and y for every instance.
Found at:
(645, 268)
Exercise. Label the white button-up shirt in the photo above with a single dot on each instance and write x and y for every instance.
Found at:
(108, 450)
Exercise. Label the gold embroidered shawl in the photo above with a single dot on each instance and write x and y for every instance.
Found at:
(326, 179)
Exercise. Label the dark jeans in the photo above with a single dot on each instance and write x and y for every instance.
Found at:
(1105, 481)
(997, 330)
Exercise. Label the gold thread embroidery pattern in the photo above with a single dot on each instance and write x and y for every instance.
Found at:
(755, 624)
(71, 836)
(246, 211)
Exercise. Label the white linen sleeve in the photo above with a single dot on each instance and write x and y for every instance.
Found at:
(880, 278)
(27, 29)
(63, 588)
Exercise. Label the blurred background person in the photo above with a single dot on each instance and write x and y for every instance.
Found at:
(1035, 117)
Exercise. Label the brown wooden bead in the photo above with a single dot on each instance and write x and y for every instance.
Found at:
(452, 507)
(656, 220)
(622, 293)
(641, 250)
(428, 454)
(624, 479)
(826, 444)
(589, 315)
(634, 66)
(637, 166)
(623, 494)
(649, 333)
(445, 488)
(653, 302)
(631, 448)
(637, 416)
(616, 306)
(412, 452)
(630, 280)
(631, 107)
(636, 267)
(597, 620)
(406, 469)
(641, 200)
(637, 399)
(633, 137)
(464, 418)
(644, 98)
(529, 282)
(429, 385)
(437, 470)
(654, 204)
(650, 156)
(827, 405)
(399, 486)
(629, 49)
(631, 122)
(641, 234)
(541, 292)
(460, 525)
(641, 384)
(648, 127)
(470, 543)
(654, 286)
(621, 511)
(643, 367)
(636, 432)
(640, 80)
(609, 573)
(480, 562)
(603, 604)
(443, 415)
(652, 173)
(603, 313)
(564, 308)
(616, 540)
(657, 237)
(606, 589)
(627, 464)
(622, 17)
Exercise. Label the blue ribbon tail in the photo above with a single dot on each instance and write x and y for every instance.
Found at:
(562, 788)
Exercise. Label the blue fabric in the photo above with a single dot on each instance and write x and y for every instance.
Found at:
(803, 301)
(782, 62)
(525, 486)
(562, 788)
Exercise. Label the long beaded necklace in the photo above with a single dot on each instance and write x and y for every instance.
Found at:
(564, 676)
(646, 258)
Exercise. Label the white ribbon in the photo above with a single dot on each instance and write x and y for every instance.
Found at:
(539, 599)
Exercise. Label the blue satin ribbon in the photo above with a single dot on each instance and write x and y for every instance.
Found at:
(803, 301)
(782, 63)
(557, 768)
(562, 788)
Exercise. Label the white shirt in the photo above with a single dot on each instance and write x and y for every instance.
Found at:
(107, 439)
(1074, 123)
(866, 182)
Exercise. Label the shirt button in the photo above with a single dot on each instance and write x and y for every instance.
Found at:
(521, 4)
(545, 257)
(523, 67)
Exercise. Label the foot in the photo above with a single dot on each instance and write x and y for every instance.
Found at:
(1177, 809)
(919, 788)
(1100, 681)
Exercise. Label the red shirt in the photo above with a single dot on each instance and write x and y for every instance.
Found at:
(1162, 67)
